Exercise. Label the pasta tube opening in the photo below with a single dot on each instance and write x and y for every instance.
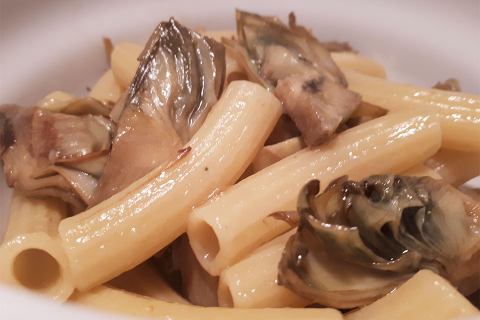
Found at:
(36, 269)
(32, 256)
(36, 262)
(208, 244)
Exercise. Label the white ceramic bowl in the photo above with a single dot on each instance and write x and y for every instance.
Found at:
(56, 45)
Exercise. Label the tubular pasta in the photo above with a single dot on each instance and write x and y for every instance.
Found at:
(32, 256)
(146, 281)
(137, 222)
(220, 197)
(221, 233)
(425, 296)
(252, 282)
(459, 113)
(119, 301)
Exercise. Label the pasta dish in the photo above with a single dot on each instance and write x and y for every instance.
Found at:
(260, 173)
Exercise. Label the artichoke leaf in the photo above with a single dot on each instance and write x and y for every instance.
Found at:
(292, 63)
(358, 240)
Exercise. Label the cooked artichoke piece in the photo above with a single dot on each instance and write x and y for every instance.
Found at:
(292, 63)
(358, 240)
(41, 150)
(179, 79)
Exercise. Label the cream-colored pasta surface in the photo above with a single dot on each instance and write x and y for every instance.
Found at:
(31, 254)
(117, 301)
(134, 224)
(459, 112)
(252, 283)
(426, 296)
(146, 281)
(221, 233)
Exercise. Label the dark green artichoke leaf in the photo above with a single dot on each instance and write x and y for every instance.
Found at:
(324, 218)
(315, 271)
(384, 229)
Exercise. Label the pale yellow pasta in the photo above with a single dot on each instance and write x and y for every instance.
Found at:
(124, 62)
(268, 155)
(118, 301)
(137, 222)
(145, 280)
(459, 113)
(225, 230)
(455, 167)
(56, 101)
(106, 89)
(252, 282)
(426, 296)
(31, 254)
(358, 63)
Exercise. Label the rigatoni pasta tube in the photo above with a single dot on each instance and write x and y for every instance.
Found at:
(31, 255)
(137, 222)
(425, 296)
(459, 113)
(252, 282)
(225, 230)
(145, 280)
(118, 301)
